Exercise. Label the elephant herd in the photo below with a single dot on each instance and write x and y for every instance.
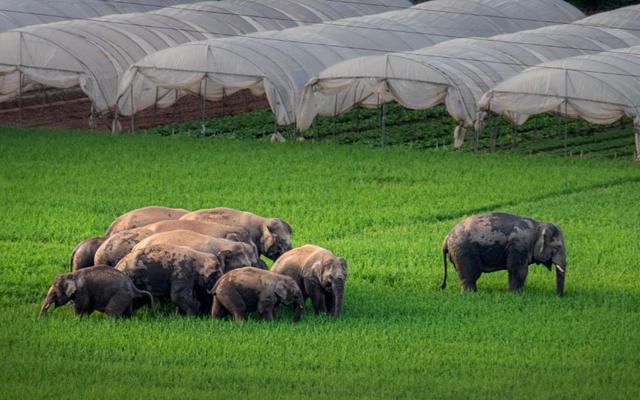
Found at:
(202, 261)
(208, 261)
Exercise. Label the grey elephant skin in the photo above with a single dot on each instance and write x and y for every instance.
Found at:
(249, 289)
(271, 235)
(175, 272)
(144, 216)
(99, 288)
(233, 254)
(320, 275)
(83, 254)
(497, 241)
(114, 248)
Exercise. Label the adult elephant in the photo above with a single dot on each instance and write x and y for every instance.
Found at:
(497, 241)
(119, 245)
(83, 255)
(144, 216)
(271, 235)
(232, 254)
(319, 273)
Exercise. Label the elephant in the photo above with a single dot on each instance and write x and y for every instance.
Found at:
(84, 253)
(271, 235)
(144, 216)
(234, 254)
(100, 288)
(175, 272)
(496, 241)
(118, 245)
(319, 274)
(249, 289)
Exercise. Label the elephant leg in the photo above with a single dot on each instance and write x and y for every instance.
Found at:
(329, 302)
(265, 307)
(517, 278)
(233, 302)
(468, 266)
(316, 295)
(217, 310)
(118, 305)
(518, 270)
(183, 298)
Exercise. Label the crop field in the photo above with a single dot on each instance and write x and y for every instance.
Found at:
(385, 210)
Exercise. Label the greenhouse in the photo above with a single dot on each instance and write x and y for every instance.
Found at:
(16, 14)
(279, 64)
(92, 54)
(458, 72)
(600, 88)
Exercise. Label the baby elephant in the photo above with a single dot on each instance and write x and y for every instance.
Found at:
(100, 288)
(319, 274)
(250, 289)
(497, 241)
(177, 272)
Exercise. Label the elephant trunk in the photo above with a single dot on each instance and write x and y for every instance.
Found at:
(298, 308)
(51, 295)
(560, 270)
(337, 287)
(561, 266)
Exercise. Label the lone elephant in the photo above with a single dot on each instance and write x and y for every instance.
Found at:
(249, 289)
(319, 274)
(98, 288)
(271, 235)
(497, 241)
(175, 272)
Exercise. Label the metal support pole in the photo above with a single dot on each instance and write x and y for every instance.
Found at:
(637, 143)
(92, 117)
(383, 119)
(222, 103)
(203, 95)
(133, 117)
(155, 109)
(20, 81)
(335, 113)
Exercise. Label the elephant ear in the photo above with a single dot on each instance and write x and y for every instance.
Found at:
(69, 286)
(222, 257)
(280, 289)
(343, 264)
(543, 241)
(317, 269)
(268, 239)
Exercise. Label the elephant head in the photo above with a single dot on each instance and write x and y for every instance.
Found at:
(288, 293)
(238, 255)
(550, 250)
(211, 270)
(276, 238)
(331, 272)
(60, 293)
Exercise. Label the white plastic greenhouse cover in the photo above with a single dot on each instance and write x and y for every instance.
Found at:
(458, 72)
(279, 64)
(19, 13)
(599, 88)
(94, 53)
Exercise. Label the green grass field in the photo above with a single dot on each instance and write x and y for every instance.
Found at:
(386, 210)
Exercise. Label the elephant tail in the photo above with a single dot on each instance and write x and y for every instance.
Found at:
(73, 255)
(445, 251)
(149, 297)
